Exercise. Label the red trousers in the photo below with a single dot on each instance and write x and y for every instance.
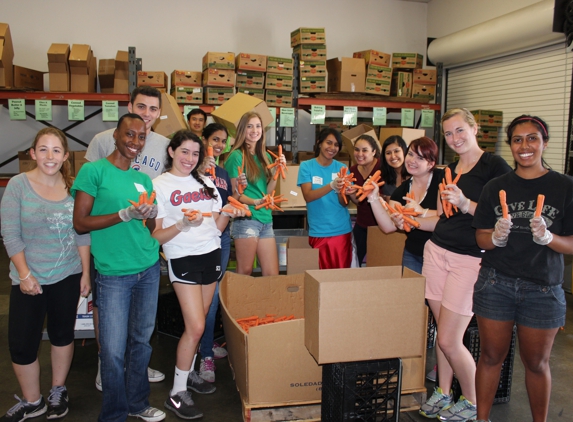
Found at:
(333, 252)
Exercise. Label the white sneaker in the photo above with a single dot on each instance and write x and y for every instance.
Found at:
(154, 375)
(219, 352)
(151, 414)
(207, 369)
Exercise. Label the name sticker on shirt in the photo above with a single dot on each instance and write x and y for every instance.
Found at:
(139, 188)
(334, 176)
(316, 180)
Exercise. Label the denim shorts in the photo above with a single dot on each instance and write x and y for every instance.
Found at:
(503, 298)
(243, 228)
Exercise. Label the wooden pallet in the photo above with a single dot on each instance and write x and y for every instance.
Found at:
(302, 412)
(412, 400)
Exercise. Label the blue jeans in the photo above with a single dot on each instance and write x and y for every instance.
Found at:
(413, 262)
(206, 348)
(127, 308)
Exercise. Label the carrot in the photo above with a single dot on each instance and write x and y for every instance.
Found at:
(503, 202)
(539, 207)
(448, 173)
(272, 153)
(455, 182)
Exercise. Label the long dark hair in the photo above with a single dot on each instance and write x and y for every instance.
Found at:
(388, 172)
(538, 122)
(66, 169)
(180, 137)
(322, 137)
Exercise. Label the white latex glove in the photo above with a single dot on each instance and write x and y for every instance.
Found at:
(282, 160)
(337, 184)
(412, 203)
(455, 196)
(541, 235)
(233, 212)
(501, 232)
(131, 212)
(242, 180)
(184, 225)
(374, 194)
(148, 210)
(398, 220)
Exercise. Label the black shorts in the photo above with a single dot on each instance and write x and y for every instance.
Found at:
(196, 269)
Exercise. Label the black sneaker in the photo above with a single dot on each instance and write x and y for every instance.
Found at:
(199, 385)
(183, 406)
(57, 402)
(24, 410)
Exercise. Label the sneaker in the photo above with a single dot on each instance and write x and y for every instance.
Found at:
(57, 402)
(24, 410)
(154, 375)
(207, 369)
(219, 351)
(151, 414)
(431, 376)
(183, 406)
(436, 403)
(98, 376)
(463, 410)
(197, 384)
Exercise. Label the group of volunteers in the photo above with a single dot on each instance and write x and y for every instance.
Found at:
(139, 192)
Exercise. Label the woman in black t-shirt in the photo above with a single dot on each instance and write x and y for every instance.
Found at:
(522, 267)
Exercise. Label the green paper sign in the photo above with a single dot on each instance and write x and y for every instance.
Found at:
(44, 110)
(17, 109)
(407, 117)
(287, 117)
(317, 114)
(350, 116)
(274, 114)
(187, 109)
(379, 116)
(76, 110)
(427, 118)
(110, 111)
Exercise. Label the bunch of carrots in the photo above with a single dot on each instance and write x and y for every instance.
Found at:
(255, 321)
(505, 209)
(280, 167)
(210, 170)
(363, 191)
(270, 201)
(447, 206)
(241, 169)
(347, 178)
(143, 199)
(234, 204)
(192, 214)
(407, 213)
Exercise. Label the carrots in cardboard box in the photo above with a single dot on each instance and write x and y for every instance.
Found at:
(255, 321)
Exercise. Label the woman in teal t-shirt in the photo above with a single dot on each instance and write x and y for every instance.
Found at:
(253, 235)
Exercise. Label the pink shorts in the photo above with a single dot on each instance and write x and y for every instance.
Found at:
(450, 278)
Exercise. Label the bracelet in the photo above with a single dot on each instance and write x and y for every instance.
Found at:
(425, 212)
(25, 278)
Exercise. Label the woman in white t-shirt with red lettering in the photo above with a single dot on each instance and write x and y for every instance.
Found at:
(193, 252)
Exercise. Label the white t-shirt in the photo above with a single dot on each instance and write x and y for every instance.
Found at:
(175, 193)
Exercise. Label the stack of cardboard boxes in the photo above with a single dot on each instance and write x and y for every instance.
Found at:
(83, 69)
(251, 70)
(6, 56)
(186, 86)
(489, 122)
(59, 70)
(279, 81)
(121, 73)
(310, 45)
(378, 71)
(218, 77)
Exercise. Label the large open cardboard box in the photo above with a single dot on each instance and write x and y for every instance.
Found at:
(171, 119)
(364, 314)
(288, 187)
(349, 137)
(271, 363)
(406, 133)
(384, 249)
(230, 113)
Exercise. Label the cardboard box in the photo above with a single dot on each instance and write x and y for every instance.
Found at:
(313, 68)
(59, 70)
(80, 59)
(310, 84)
(79, 159)
(301, 256)
(230, 113)
(289, 189)
(187, 95)
(156, 79)
(304, 156)
(106, 74)
(187, 78)
(385, 249)
(271, 364)
(407, 134)
(278, 98)
(171, 119)
(407, 60)
(373, 57)
(253, 92)
(219, 77)
(279, 82)
(490, 118)
(307, 36)
(424, 92)
(346, 75)
(80, 81)
(312, 52)
(401, 84)
(6, 57)
(425, 76)
(487, 147)
(381, 73)
(121, 79)
(488, 134)
(28, 79)
(217, 95)
(252, 62)
(250, 79)
(377, 87)
(349, 137)
(280, 65)
(213, 60)
(339, 303)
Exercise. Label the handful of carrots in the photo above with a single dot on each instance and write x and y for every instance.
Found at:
(270, 201)
(347, 178)
(407, 214)
(447, 206)
(364, 190)
(255, 321)
(233, 203)
(210, 170)
(192, 214)
(143, 199)
(241, 170)
(280, 167)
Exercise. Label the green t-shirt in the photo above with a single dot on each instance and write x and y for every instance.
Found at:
(254, 190)
(127, 247)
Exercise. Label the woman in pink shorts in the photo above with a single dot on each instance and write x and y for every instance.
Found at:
(451, 265)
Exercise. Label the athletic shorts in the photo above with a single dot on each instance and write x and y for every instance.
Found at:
(196, 269)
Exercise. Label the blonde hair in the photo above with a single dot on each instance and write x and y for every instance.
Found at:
(463, 112)
(66, 169)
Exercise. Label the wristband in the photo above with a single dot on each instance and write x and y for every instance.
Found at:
(25, 278)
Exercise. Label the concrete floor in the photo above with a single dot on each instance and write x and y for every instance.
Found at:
(225, 404)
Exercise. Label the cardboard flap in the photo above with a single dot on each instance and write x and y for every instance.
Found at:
(229, 113)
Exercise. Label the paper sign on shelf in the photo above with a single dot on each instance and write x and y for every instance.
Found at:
(17, 109)
(287, 117)
(76, 110)
(350, 116)
(407, 117)
(427, 118)
(44, 110)
(379, 116)
(317, 114)
(110, 111)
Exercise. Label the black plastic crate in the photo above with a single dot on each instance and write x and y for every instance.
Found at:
(169, 316)
(431, 330)
(362, 391)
